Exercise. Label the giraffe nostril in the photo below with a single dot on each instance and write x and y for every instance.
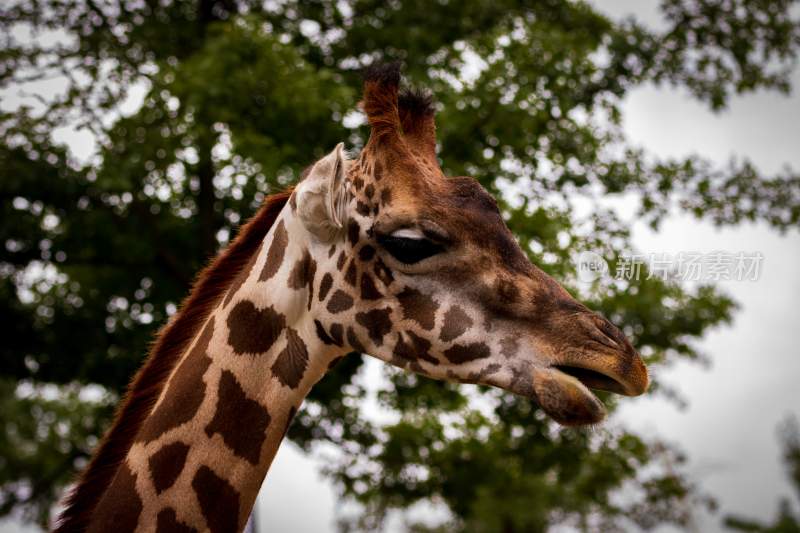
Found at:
(612, 333)
(601, 331)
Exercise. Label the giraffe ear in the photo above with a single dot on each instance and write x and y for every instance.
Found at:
(321, 198)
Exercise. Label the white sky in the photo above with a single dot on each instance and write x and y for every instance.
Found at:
(729, 428)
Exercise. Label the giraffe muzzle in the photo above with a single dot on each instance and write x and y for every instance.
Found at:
(603, 359)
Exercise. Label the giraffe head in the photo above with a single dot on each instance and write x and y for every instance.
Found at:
(420, 270)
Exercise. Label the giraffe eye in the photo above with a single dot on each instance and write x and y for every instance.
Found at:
(409, 250)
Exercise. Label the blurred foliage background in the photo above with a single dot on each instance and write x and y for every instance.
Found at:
(239, 95)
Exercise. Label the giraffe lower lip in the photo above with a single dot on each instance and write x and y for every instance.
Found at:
(566, 399)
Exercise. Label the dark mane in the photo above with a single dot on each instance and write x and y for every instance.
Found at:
(172, 341)
(417, 102)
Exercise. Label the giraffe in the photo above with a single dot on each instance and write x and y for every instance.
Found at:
(380, 254)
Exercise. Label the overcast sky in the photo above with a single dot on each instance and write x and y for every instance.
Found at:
(735, 405)
(729, 429)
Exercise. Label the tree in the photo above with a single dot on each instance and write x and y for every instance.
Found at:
(239, 96)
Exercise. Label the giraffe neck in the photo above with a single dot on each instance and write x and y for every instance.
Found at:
(204, 450)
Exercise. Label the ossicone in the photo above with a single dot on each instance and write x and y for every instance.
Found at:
(403, 117)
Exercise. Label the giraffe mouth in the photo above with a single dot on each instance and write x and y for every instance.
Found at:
(593, 379)
(564, 392)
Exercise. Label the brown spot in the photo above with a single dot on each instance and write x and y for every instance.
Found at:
(353, 232)
(340, 261)
(350, 275)
(120, 507)
(386, 196)
(368, 289)
(362, 208)
(302, 275)
(311, 274)
(522, 382)
(414, 366)
(417, 348)
(377, 323)
(358, 183)
(322, 334)
(275, 254)
(325, 286)
(291, 363)
(463, 353)
(369, 191)
(337, 334)
(472, 377)
(303, 272)
(332, 251)
(240, 421)
(383, 272)
(378, 172)
(490, 369)
(219, 501)
(509, 347)
(354, 341)
(167, 464)
(507, 292)
(185, 391)
(167, 522)
(241, 277)
(366, 253)
(340, 301)
(418, 307)
(253, 330)
(456, 322)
